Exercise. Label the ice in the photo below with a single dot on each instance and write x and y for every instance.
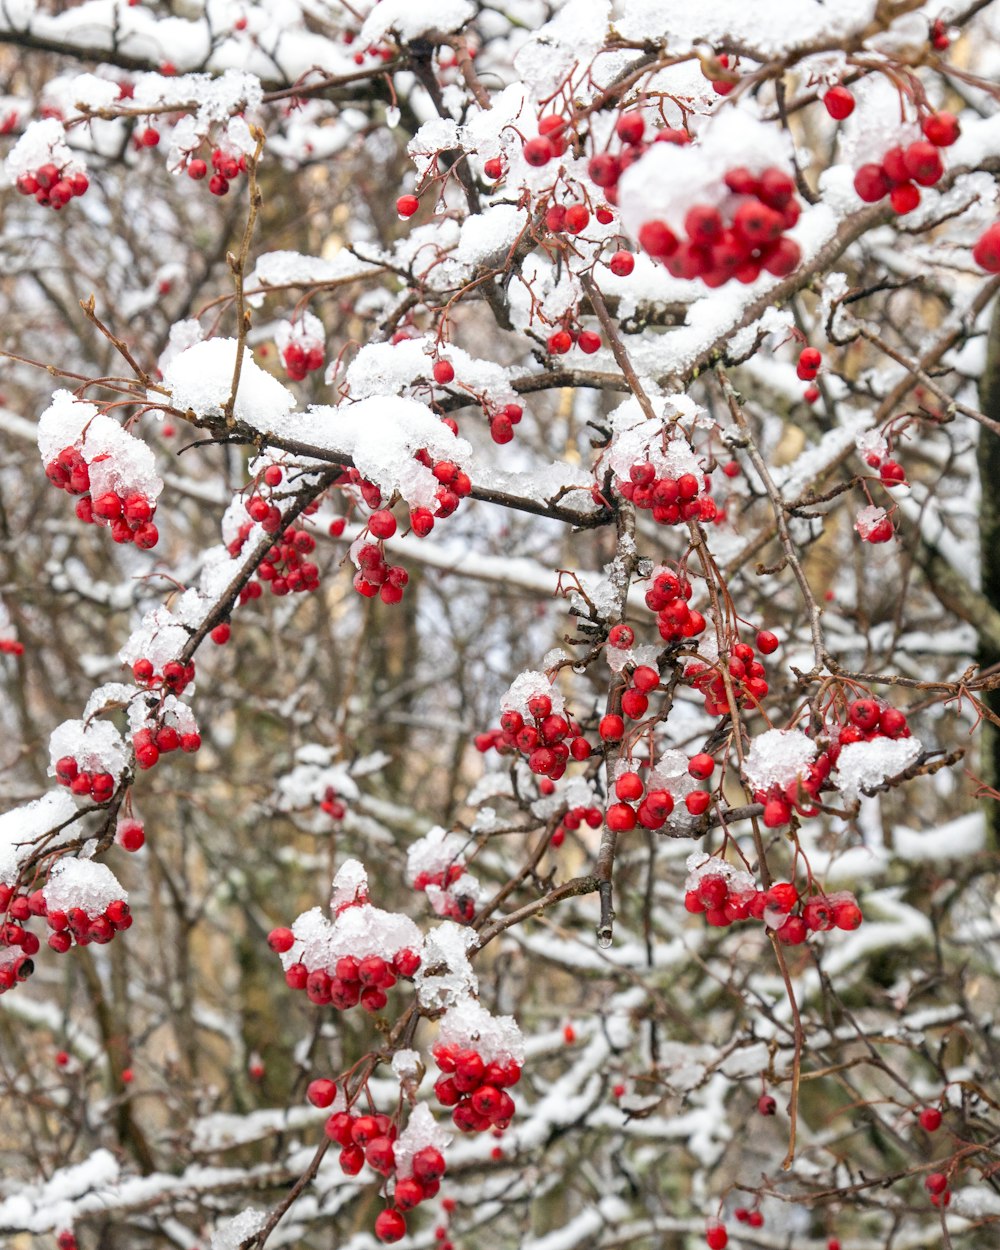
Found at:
(436, 135)
(635, 438)
(778, 757)
(350, 885)
(112, 694)
(525, 687)
(201, 379)
(96, 746)
(410, 19)
(407, 1064)
(159, 638)
(445, 975)
(183, 334)
(496, 1038)
(435, 852)
(421, 1130)
(307, 332)
(864, 765)
(20, 827)
(232, 1234)
(82, 883)
(869, 519)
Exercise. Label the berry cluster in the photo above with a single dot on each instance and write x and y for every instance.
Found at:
(75, 925)
(332, 805)
(574, 218)
(753, 1217)
(226, 169)
(351, 980)
(560, 341)
(668, 597)
(746, 674)
(301, 347)
(723, 896)
(150, 744)
(503, 420)
(546, 739)
(284, 567)
(51, 186)
(653, 807)
(175, 677)
(373, 1139)
(100, 786)
(672, 501)
(474, 1088)
(643, 680)
(129, 517)
(450, 903)
(573, 819)
(868, 719)
(903, 171)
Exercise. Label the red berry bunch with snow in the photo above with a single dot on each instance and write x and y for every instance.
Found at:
(86, 453)
(88, 757)
(724, 894)
(226, 168)
(41, 165)
(435, 864)
(480, 1057)
(412, 1162)
(171, 727)
(668, 597)
(533, 721)
(672, 501)
(904, 170)
(573, 819)
(302, 345)
(355, 957)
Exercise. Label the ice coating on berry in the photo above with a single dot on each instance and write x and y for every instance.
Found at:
(445, 975)
(863, 765)
(201, 378)
(350, 885)
(421, 1130)
(778, 757)
(82, 883)
(22, 825)
(869, 519)
(96, 746)
(496, 1039)
(699, 867)
(234, 1233)
(525, 687)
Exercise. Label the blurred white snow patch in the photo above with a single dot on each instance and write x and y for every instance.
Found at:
(576, 32)
(48, 1205)
(201, 378)
(958, 839)
(445, 975)
(863, 765)
(233, 1233)
(778, 757)
(412, 18)
(421, 1130)
(82, 883)
(20, 827)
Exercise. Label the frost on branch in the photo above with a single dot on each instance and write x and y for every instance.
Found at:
(233, 1233)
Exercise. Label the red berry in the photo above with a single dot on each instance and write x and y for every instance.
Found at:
(444, 372)
(629, 787)
(871, 183)
(611, 728)
(538, 151)
(622, 264)
(839, 103)
(936, 1183)
(620, 818)
(930, 1119)
(559, 342)
(941, 129)
(390, 1225)
(716, 1237)
(986, 252)
(766, 1105)
(321, 1092)
(697, 802)
(281, 940)
(905, 198)
(923, 163)
(701, 766)
(656, 238)
(407, 205)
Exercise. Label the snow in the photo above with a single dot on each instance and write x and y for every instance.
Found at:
(778, 757)
(468, 1023)
(445, 976)
(96, 746)
(410, 19)
(43, 142)
(82, 883)
(434, 852)
(421, 1130)
(525, 687)
(117, 460)
(200, 378)
(231, 1234)
(22, 826)
(865, 765)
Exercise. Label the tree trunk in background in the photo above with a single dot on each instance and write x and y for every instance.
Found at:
(989, 537)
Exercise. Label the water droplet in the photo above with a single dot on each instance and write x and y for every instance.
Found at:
(604, 940)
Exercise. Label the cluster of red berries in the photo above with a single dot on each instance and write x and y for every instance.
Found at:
(891, 472)
(986, 252)
(672, 501)
(746, 673)
(936, 1184)
(351, 981)
(791, 915)
(574, 218)
(643, 679)
(226, 167)
(460, 907)
(100, 786)
(371, 1139)
(573, 819)
(74, 925)
(560, 341)
(606, 168)
(737, 241)
(868, 719)
(476, 1090)
(547, 740)
(502, 422)
(810, 359)
(377, 577)
(10, 646)
(455, 485)
(150, 744)
(903, 171)
(51, 186)
(300, 360)
(175, 677)
(129, 517)
(668, 597)
(653, 807)
(284, 566)
(752, 1217)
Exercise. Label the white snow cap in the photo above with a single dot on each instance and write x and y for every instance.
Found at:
(43, 143)
(435, 852)
(496, 1038)
(861, 765)
(412, 18)
(201, 378)
(22, 826)
(445, 976)
(96, 746)
(778, 757)
(231, 1234)
(82, 883)
(421, 1130)
(525, 687)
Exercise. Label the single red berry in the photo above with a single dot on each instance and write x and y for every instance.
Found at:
(766, 1105)
(621, 264)
(629, 787)
(390, 1225)
(905, 198)
(281, 940)
(620, 818)
(936, 1183)
(444, 372)
(560, 342)
(407, 205)
(716, 1237)
(941, 129)
(321, 1092)
(656, 238)
(930, 1119)
(767, 642)
(701, 766)
(872, 183)
(697, 802)
(493, 168)
(589, 342)
(986, 252)
(538, 151)
(611, 728)
(221, 634)
(839, 103)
